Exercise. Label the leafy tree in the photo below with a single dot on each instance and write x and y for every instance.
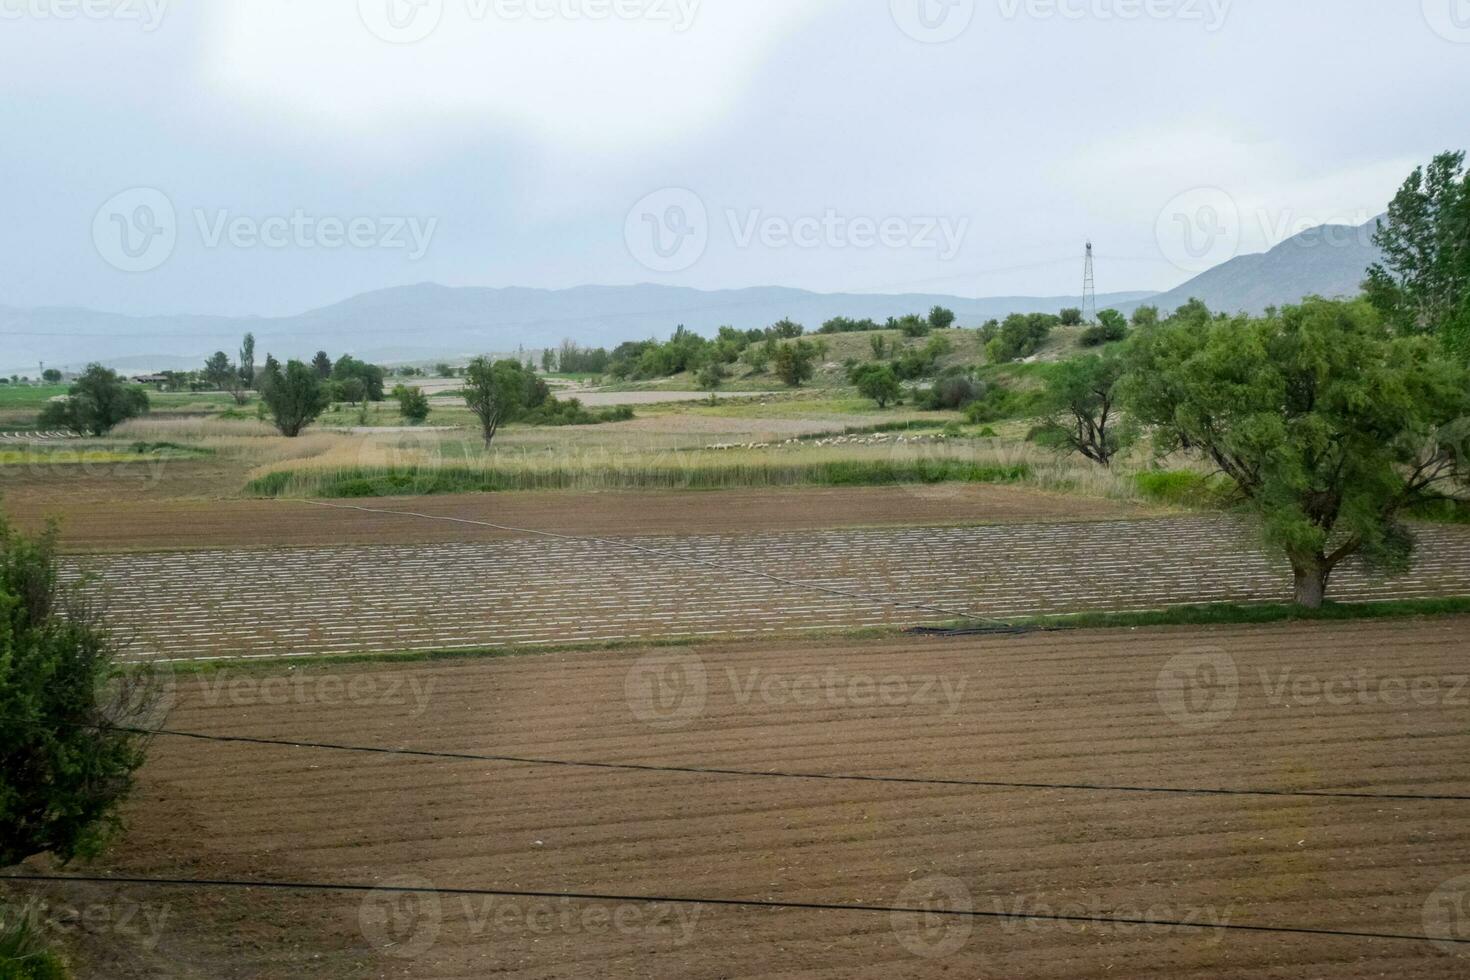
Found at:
(1111, 326)
(1145, 316)
(879, 345)
(957, 388)
(1329, 427)
(1021, 335)
(495, 392)
(842, 324)
(712, 376)
(1082, 404)
(1193, 312)
(1423, 283)
(876, 381)
(413, 404)
(51, 376)
(1071, 317)
(97, 402)
(911, 325)
(352, 390)
(322, 363)
(757, 357)
(785, 329)
(247, 361)
(941, 318)
(796, 362)
(65, 765)
(921, 362)
(293, 397)
(223, 375)
(370, 375)
(443, 370)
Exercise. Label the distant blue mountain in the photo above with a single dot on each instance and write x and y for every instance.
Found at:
(430, 321)
(1331, 261)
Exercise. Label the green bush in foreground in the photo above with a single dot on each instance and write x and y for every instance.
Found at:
(63, 771)
(23, 952)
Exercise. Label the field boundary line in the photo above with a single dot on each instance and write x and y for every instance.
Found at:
(780, 774)
(687, 559)
(716, 902)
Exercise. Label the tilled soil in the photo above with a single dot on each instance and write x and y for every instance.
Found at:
(118, 521)
(1374, 708)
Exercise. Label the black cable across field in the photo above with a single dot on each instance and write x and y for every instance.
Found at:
(719, 902)
(778, 774)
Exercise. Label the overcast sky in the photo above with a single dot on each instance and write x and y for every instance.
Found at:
(268, 156)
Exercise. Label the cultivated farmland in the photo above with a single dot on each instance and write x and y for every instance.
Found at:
(1068, 710)
(542, 591)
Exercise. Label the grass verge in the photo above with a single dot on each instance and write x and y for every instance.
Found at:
(356, 482)
(1219, 614)
(1226, 614)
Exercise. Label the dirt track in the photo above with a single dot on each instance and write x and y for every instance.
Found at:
(164, 525)
(1105, 707)
(379, 599)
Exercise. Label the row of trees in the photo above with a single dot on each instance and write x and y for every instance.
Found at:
(912, 325)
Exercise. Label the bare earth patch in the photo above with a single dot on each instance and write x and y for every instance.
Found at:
(1112, 708)
(119, 522)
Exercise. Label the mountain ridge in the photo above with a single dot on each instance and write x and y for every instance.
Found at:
(425, 321)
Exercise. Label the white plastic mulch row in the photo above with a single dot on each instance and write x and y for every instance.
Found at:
(390, 598)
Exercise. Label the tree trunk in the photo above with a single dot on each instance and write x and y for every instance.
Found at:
(1311, 582)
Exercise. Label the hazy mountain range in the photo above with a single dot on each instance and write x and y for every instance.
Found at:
(1330, 260)
(429, 321)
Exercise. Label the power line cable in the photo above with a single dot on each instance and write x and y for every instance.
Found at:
(781, 774)
(715, 902)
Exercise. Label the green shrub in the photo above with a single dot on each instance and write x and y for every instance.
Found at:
(413, 404)
(1182, 488)
(1021, 335)
(64, 769)
(1103, 333)
(954, 390)
(999, 403)
(555, 412)
(23, 952)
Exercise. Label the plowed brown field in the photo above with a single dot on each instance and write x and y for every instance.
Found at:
(1375, 708)
(124, 523)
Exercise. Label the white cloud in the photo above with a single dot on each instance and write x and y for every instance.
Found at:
(588, 77)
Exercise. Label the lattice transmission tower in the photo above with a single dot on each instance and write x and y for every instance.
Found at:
(1089, 290)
